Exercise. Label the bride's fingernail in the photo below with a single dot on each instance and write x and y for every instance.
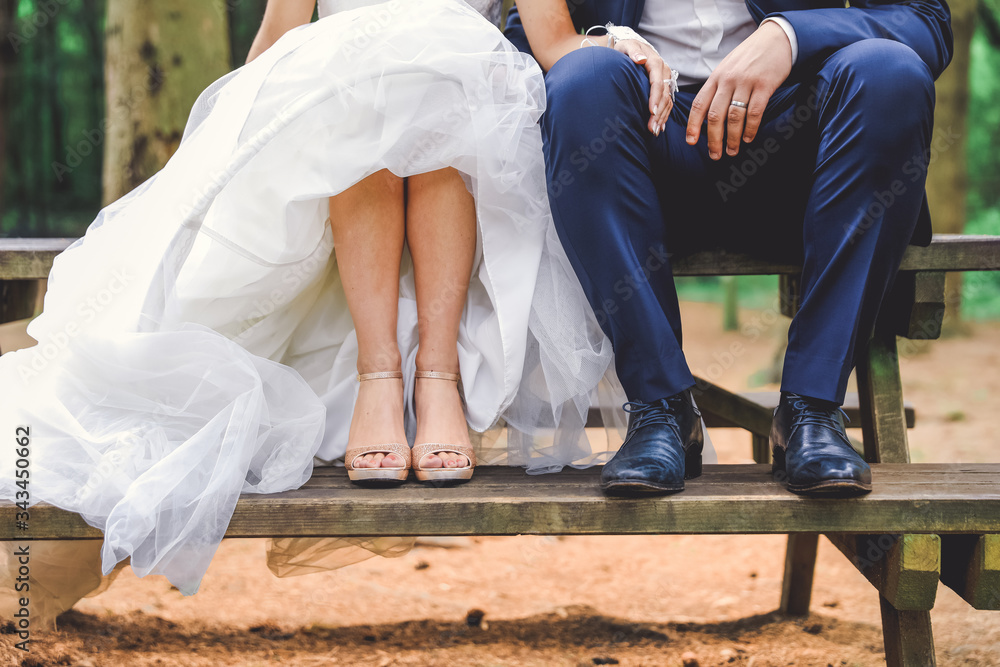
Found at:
(656, 109)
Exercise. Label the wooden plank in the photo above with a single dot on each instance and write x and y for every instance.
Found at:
(768, 400)
(947, 252)
(731, 407)
(905, 569)
(880, 393)
(907, 636)
(726, 499)
(954, 252)
(32, 258)
(915, 307)
(27, 259)
(970, 566)
(800, 564)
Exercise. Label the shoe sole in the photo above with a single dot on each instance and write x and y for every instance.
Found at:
(378, 476)
(832, 488)
(444, 476)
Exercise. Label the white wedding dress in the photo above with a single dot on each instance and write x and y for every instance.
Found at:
(196, 343)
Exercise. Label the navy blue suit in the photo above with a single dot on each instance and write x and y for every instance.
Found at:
(835, 175)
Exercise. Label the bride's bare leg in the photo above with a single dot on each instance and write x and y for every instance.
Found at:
(441, 232)
(368, 232)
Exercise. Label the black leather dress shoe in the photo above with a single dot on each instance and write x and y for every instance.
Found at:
(662, 449)
(811, 451)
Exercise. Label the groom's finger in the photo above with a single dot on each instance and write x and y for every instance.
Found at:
(755, 113)
(699, 110)
(737, 116)
(718, 115)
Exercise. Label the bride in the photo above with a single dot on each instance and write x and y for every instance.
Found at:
(351, 251)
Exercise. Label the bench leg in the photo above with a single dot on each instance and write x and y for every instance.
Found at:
(908, 638)
(909, 641)
(880, 398)
(761, 445)
(800, 564)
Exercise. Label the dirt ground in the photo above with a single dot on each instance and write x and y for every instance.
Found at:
(659, 600)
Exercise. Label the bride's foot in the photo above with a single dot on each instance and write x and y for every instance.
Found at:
(377, 448)
(443, 450)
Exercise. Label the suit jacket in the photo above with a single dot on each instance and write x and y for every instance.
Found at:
(821, 28)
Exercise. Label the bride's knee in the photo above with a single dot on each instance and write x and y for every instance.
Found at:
(386, 182)
(440, 177)
(382, 186)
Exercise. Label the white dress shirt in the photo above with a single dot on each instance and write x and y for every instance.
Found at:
(693, 36)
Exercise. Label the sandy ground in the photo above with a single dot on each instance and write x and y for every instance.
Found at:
(661, 600)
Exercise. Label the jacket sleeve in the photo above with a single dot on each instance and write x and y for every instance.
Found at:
(923, 25)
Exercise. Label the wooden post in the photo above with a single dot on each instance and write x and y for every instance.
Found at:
(908, 638)
(880, 398)
(761, 445)
(970, 565)
(904, 569)
(800, 565)
(907, 634)
(800, 554)
(730, 303)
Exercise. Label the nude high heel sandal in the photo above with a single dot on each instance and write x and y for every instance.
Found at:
(423, 449)
(402, 450)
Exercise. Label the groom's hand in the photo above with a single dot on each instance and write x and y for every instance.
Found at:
(750, 74)
(660, 100)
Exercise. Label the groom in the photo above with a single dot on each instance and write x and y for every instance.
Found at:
(799, 126)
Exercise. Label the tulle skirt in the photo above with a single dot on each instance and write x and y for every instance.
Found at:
(196, 343)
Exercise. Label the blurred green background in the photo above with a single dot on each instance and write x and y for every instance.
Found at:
(53, 109)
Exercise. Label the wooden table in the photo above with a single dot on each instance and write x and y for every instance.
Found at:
(922, 524)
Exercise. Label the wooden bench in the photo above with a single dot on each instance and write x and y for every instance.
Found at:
(923, 523)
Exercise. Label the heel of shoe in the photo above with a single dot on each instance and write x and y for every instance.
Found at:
(692, 462)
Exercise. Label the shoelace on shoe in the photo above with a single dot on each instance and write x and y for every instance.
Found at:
(804, 412)
(657, 412)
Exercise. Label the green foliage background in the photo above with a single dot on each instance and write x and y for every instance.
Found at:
(55, 124)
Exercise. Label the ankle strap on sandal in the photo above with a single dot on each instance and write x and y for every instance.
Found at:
(435, 375)
(383, 375)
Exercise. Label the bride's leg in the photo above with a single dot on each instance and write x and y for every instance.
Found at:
(441, 232)
(368, 230)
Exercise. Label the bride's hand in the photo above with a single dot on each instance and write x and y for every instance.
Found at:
(660, 100)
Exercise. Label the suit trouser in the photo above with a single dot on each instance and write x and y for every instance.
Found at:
(835, 177)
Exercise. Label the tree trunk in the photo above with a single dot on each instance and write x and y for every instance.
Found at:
(947, 177)
(160, 56)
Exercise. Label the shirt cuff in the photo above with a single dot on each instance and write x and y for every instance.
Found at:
(789, 32)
